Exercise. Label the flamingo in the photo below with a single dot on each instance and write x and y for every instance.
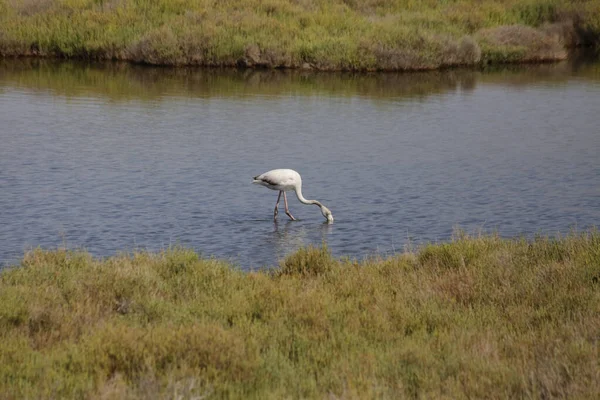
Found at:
(284, 180)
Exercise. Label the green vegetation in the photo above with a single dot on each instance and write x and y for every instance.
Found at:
(317, 34)
(478, 317)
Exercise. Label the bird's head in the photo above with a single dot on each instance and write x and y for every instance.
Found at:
(327, 214)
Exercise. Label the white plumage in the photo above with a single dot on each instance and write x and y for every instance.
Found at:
(284, 180)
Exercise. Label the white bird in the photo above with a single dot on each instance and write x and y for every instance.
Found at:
(284, 180)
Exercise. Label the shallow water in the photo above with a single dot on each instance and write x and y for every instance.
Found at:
(114, 158)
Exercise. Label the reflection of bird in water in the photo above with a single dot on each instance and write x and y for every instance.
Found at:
(288, 237)
(284, 180)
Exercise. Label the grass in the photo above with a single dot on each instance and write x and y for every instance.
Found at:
(478, 317)
(314, 34)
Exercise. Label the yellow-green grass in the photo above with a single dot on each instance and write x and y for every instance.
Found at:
(320, 34)
(477, 317)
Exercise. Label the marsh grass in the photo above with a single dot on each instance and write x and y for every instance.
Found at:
(316, 34)
(479, 317)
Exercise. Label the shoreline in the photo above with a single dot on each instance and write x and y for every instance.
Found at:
(308, 68)
(557, 55)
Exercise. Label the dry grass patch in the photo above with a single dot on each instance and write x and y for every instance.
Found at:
(521, 43)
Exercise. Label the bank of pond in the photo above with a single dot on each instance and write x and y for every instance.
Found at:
(311, 34)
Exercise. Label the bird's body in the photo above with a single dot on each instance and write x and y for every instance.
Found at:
(279, 179)
(284, 180)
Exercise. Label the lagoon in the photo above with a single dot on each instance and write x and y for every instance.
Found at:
(113, 157)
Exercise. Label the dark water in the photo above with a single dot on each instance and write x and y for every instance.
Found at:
(114, 158)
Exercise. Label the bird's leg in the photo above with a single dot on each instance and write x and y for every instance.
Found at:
(287, 211)
(277, 206)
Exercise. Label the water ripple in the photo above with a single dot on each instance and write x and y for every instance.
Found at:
(84, 171)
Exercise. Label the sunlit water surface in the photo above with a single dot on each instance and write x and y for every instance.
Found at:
(114, 158)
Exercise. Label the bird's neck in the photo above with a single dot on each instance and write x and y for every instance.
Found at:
(303, 200)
